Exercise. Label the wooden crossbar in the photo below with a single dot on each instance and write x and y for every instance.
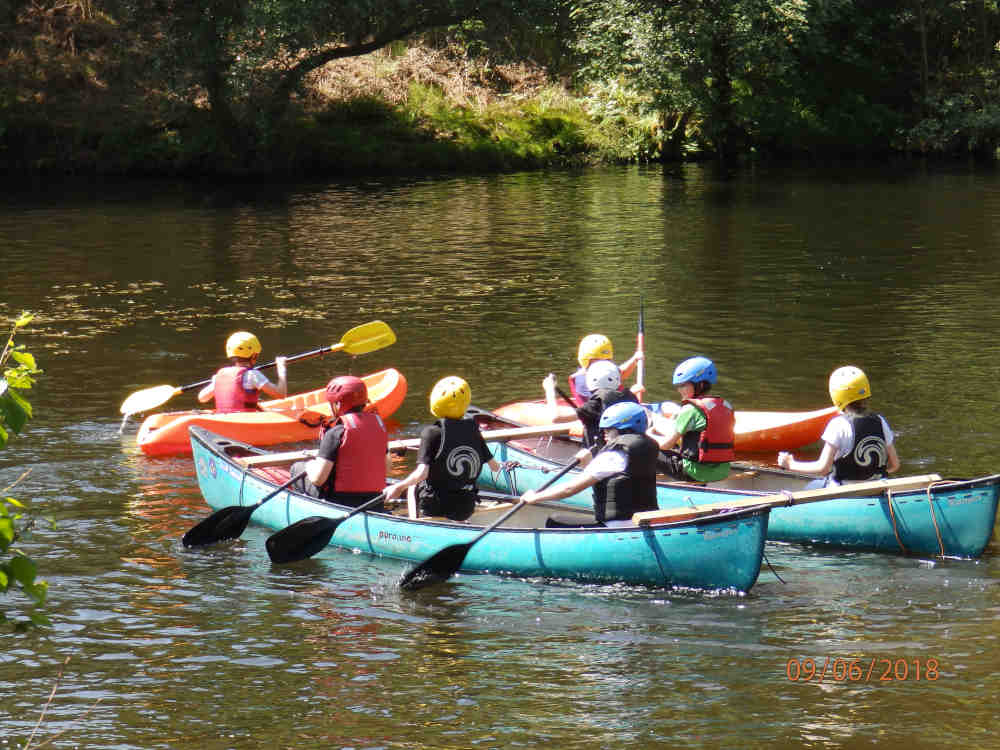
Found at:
(875, 487)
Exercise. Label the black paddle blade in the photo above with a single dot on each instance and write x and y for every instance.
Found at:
(227, 523)
(436, 569)
(302, 539)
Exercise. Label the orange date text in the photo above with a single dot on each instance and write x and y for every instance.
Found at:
(875, 669)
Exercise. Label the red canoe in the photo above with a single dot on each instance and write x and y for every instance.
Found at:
(756, 431)
(166, 434)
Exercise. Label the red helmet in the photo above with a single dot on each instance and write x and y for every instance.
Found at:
(348, 391)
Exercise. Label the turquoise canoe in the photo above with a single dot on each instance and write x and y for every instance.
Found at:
(723, 551)
(949, 519)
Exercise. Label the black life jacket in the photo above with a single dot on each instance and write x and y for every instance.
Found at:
(590, 413)
(618, 497)
(457, 463)
(869, 457)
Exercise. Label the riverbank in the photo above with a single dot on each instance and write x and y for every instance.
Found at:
(69, 108)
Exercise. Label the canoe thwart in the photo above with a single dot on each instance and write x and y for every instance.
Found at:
(901, 484)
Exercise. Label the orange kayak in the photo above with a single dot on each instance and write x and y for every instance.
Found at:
(166, 434)
(756, 431)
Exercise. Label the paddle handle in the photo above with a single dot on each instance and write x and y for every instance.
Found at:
(363, 507)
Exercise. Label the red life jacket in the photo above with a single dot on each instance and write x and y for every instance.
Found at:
(360, 463)
(578, 398)
(715, 442)
(230, 395)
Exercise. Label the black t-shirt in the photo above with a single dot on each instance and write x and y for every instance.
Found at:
(329, 444)
(430, 444)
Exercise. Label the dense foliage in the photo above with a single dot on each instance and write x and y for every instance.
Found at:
(17, 570)
(231, 82)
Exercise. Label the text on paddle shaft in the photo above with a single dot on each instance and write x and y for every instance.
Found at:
(861, 670)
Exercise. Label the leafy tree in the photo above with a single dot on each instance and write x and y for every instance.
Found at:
(706, 62)
(249, 58)
(18, 570)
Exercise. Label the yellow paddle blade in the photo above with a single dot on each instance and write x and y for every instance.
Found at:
(367, 338)
(148, 398)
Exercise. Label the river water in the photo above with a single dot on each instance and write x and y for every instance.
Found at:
(779, 276)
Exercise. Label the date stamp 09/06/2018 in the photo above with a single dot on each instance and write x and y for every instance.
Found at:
(862, 670)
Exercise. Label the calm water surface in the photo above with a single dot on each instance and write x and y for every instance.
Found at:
(779, 277)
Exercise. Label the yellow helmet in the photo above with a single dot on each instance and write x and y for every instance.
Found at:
(450, 397)
(242, 344)
(594, 346)
(847, 385)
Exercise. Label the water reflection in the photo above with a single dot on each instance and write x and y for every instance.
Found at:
(779, 277)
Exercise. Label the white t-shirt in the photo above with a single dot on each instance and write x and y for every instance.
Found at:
(253, 380)
(606, 464)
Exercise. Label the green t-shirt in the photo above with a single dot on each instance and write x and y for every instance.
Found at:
(689, 419)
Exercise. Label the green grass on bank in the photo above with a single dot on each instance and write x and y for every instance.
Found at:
(427, 133)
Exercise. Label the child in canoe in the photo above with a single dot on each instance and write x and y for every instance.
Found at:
(703, 428)
(594, 347)
(238, 386)
(452, 452)
(351, 461)
(858, 445)
(603, 383)
(623, 474)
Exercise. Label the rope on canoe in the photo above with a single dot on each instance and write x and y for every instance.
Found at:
(771, 567)
(930, 504)
(892, 516)
(243, 481)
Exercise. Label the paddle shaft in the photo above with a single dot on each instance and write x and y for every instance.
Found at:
(295, 358)
(564, 397)
(640, 345)
(229, 522)
(449, 559)
(285, 486)
(310, 535)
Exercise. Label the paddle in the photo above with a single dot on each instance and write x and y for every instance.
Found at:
(442, 565)
(361, 339)
(874, 487)
(229, 522)
(305, 538)
(640, 344)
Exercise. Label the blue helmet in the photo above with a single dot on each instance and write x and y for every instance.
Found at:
(624, 416)
(695, 370)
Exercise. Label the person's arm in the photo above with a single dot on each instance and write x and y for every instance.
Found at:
(559, 491)
(629, 364)
(893, 465)
(281, 389)
(820, 467)
(207, 393)
(666, 442)
(419, 474)
(318, 470)
(551, 408)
